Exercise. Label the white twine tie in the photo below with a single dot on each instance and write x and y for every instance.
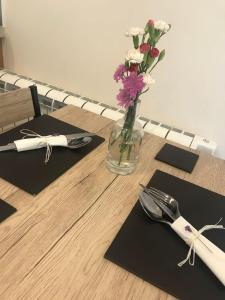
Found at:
(30, 133)
(195, 236)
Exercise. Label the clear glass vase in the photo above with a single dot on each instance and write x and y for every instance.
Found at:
(125, 142)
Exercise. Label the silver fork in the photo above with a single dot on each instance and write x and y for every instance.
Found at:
(166, 199)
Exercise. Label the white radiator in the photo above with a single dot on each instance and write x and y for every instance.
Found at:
(52, 98)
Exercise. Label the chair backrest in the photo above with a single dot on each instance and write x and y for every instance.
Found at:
(19, 105)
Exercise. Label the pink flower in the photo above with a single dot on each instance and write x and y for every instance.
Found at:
(144, 48)
(124, 98)
(134, 84)
(151, 23)
(154, 52)
(118, 75)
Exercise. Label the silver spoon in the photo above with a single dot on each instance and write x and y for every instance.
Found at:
(78, 143)
(152, 210)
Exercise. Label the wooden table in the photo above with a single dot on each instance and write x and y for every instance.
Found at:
(53, 247)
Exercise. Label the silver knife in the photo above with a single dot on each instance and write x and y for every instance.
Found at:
(10, 146)
(163, 207)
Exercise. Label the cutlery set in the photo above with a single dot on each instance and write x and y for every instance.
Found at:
(32, 140)
(161, 207)
(71, 141)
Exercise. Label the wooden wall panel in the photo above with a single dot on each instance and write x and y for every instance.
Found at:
(1, 55)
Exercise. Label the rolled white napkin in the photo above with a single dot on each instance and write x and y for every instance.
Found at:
(33, 140)
(210, 254)
(40, 142)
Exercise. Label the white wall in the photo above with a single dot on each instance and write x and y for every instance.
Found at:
(77, 45)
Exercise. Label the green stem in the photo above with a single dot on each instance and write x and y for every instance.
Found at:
(127, 130)
(154, 66)
(144, 91)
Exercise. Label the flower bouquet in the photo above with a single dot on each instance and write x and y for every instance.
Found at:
(135, 76)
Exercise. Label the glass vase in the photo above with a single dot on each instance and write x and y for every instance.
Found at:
(125, 142)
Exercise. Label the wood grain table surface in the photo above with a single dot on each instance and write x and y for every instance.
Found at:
(53, 247)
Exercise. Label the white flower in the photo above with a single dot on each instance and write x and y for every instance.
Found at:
(148, 80)
(134, 56)
(134, 31)
(162, 26)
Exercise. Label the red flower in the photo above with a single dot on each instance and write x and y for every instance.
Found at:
(144, 48)
(154, 52)
(151, 23)
(133, 68)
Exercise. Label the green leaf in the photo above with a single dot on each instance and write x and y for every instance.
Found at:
(151, 31)
(162, 55)
(150, 61)
(151, 42)
(143, 38)
(141, 67)
(145, 58)
(156, 36)
(157, 33)
(127, 64)
(136, 41)
(146, 29)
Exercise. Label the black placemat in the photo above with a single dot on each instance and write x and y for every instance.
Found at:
(177, 157)
(152, 250)
(6, 210)
(27, 170)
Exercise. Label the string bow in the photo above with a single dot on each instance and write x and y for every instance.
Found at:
(30, 133)
(193, 238)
